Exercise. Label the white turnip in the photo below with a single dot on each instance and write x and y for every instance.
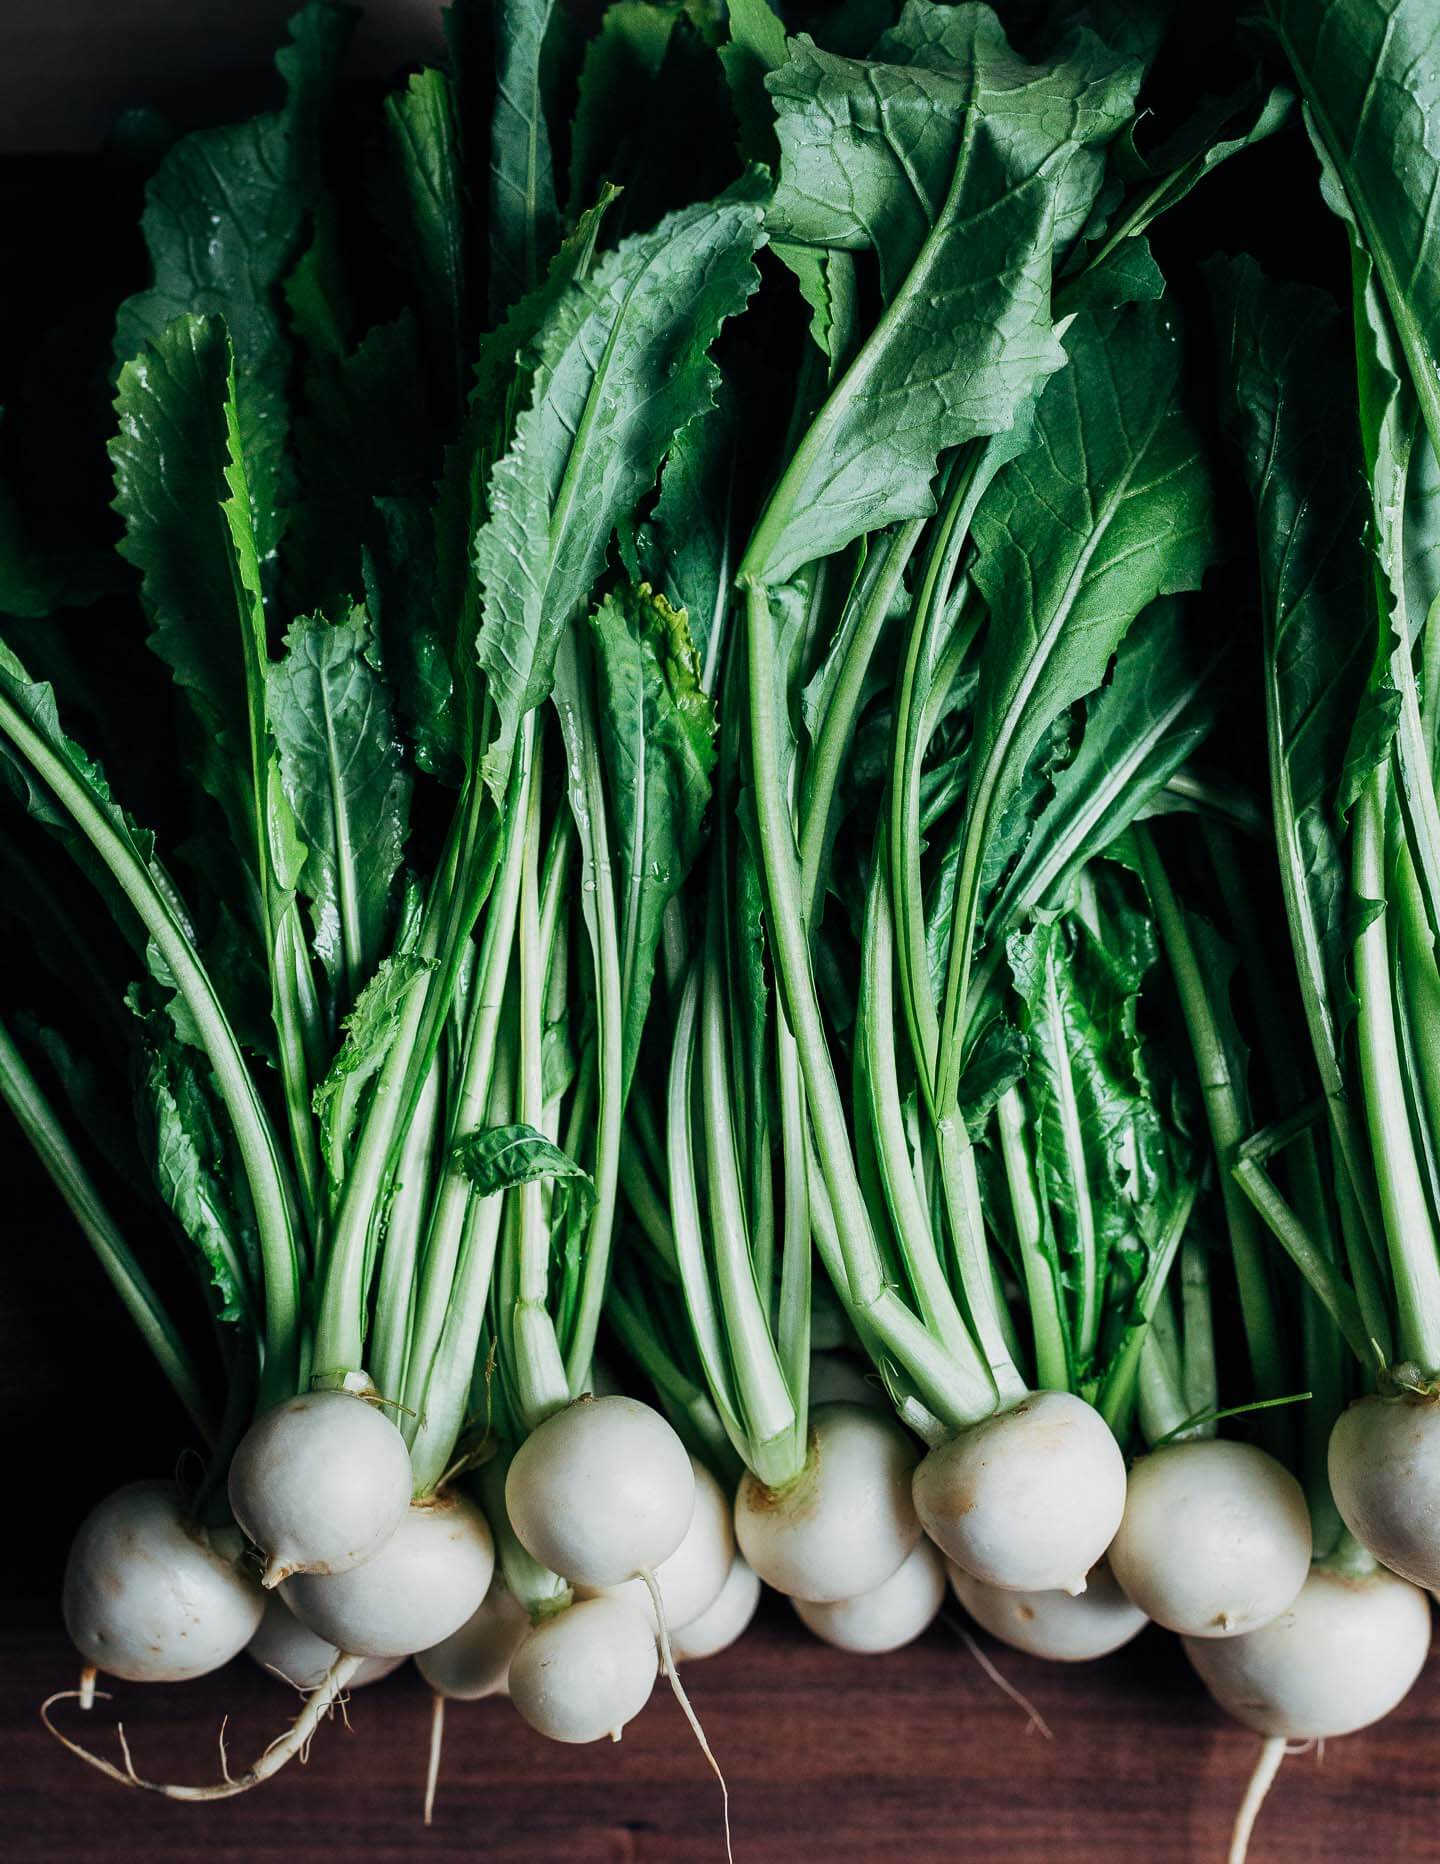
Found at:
(727, 1620)
(1065, 1627)
(1341, 1655)
(1215, 1539)
(601, 1491)
(585, 1671)
(427, 1579)
(691, 1579)
(1028, 1499)
(888, 1616)
(1385, 1477)
(148, 1596)
(320, 1484)
(291, 1651)
(474, 1662)
(847, 1521)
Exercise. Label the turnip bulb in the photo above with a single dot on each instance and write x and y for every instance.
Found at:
(891, 1614)
(847, 1521)
(291, 1651)
(1215, 1540)
(428, 1578)
(690, 1580)
(1066, 1627)
(601, 1491)
(585, 1671)
(1341, 1655)
(319, 1484)
(474, 1662)
(148, 1597)
(1028, 1499)
(1385, 1477)
(724, 1622)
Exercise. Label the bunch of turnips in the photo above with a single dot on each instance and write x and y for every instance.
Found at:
(706, 1003)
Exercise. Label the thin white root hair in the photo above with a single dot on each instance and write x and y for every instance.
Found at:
(1272, 1752)
(225, 1773)
(1034, 1720)
(432, 1770)
(667, 1663)
(85, 1694)
(319, 1704)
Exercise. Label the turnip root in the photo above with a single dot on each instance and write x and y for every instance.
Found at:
(1341, 1655)
(1215, 1540)
(888, 1616)
(847, 1521)
(1028, 1499)
(1385, 1477)
(1063, 1626)
(147, 1595)
(722, 1623)
(320, 1484)
(289, 1650)
(428, 1578)
(585, 1671)
(474, 1662)
(601, 1491)
(691, 1579)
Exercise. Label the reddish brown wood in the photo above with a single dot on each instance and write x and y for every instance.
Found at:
(914, 1757)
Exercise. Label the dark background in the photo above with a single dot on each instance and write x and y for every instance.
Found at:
(917, 1756)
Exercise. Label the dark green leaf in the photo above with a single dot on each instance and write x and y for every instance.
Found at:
(1286, 347)
(1156, 708)
(621, 365)
(192, 1173)
(498, 1158)
(524, 218)
(431, 226)
(1109, 509)
(224, 219)
(340, 766)
(657, 732)
(963, 168)
(1369, 73)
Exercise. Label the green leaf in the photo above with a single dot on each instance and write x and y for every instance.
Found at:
(657, 736)
(1103, 1153)
(340, 766)
(755, 47)
(1286, 347)
(685, 548)
(498, 1158)
(1369, 72)
(1154, 711)
(524, 218)
(34, 701)
(193, 1175)
(1108, 509)
(1126, 275)
(621, 64)
(370, 1030)
(225, 216)
(1182, 163)
(171, 456)
(426, 138)
(963, 168)
(621, 366)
